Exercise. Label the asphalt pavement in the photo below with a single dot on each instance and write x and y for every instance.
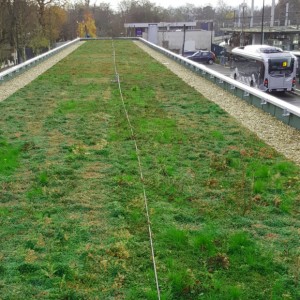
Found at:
(298, 86)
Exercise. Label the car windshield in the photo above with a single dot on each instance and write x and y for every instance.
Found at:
(198, 53)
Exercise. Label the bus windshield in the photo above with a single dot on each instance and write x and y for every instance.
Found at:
(281, 65)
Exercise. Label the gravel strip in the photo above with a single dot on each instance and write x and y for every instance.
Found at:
(278, 135)
(9, 87)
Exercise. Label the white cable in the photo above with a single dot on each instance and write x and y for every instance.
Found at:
(141, 173)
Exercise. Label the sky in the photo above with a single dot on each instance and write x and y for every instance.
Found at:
(177, 3)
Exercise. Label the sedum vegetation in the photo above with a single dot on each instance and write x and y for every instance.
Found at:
(224, 206)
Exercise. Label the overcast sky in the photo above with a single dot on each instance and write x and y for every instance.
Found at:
(177, 3)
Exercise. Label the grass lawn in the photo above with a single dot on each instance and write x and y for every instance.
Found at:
(224, 206)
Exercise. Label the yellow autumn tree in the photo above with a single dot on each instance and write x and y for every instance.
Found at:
(87, 27)
(55, 18)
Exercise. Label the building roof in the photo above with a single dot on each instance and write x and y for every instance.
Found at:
(297, 53)
(159, 24)
(266, 29)
(260, 52)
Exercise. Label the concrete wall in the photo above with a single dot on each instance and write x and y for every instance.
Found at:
(256, 39)
(173, 40)
(152, 34)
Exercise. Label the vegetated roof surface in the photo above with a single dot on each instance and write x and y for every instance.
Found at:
(224, 206)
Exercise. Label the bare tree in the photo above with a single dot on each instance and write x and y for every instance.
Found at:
(293, 11)
(42, 5)
(41, 9)
(138, 11)
(103, 15)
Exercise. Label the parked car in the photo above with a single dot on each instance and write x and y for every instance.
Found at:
(202, 56)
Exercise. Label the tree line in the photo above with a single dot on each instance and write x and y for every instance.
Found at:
(28, 27)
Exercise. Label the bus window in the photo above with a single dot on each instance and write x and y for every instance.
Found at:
(281, 65)
(261, 72)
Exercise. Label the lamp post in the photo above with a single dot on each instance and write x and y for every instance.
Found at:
(262, 23)
(242, 37)
(211, 34)
(243, 24)
(184, 29)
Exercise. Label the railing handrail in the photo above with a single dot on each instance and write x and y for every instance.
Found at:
(35, 59)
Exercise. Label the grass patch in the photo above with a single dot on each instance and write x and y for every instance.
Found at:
(224, 206)
(9, 157)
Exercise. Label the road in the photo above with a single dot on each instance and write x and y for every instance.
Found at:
(292, 98)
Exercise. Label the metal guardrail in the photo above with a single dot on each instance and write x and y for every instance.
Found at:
(285, 112)
(16, 70)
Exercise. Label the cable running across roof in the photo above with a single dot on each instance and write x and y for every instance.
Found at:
(117, 77)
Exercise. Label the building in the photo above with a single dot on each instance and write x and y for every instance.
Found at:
(172, 36)
(285, 37)
(280, 32)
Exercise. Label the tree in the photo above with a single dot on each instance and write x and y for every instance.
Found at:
(87, 27)
(4, 30)
(55, 18)
(18, 26)
(224, 14)
(25, 25)
(42, 6)
(138, 11)
(294, 11)
(208, 12)
(104, 17)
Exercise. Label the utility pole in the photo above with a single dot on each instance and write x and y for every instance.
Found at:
(242, 37)
(234, 23)
(262, 23)
(211, 34)
(252, 13)
(286, 23)
(272, 13)
(183, 39)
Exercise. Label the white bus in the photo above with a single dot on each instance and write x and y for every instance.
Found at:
(265, 67)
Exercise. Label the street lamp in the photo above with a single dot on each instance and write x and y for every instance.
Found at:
(243, 24)
(242, 37)
(262, 23)
(211, 34)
